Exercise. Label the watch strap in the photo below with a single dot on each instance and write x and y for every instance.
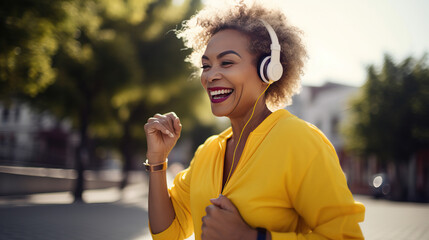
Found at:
(157, 167)
(262, 234)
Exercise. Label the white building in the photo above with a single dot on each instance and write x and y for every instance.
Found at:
(28, 137)
(326, 107)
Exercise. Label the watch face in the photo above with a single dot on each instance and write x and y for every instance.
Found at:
(155, 167)
(158, 167)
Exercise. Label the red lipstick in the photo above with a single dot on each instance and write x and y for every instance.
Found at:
(219, 94)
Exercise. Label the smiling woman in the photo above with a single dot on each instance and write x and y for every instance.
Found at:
(229, 74)
(270, 175)
(198, 31)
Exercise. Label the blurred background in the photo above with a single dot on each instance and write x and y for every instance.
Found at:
(79, 79)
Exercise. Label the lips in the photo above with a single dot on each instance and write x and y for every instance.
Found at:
(219, 94)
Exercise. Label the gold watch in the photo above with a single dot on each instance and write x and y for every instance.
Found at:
(157, 167)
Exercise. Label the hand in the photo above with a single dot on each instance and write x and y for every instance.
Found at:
(162, 133)
(224, 222)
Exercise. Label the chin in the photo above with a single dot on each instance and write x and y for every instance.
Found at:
(220, 112)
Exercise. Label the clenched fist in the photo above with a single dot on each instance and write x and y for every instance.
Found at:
(162, 133)
(224, 222)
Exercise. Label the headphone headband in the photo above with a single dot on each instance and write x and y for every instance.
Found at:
(275, 45)
(271, 69)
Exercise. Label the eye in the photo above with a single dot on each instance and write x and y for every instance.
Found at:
(226, 63)
(205, 67)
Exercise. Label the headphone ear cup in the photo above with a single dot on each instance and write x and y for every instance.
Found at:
(263, 68)
(258, 67)
(274, 71)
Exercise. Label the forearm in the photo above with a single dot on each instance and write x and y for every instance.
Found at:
(162, 133)
(161, 211)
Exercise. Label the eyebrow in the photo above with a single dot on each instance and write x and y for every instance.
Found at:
(223, 54)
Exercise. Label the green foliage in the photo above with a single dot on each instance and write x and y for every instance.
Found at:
(390, 117)
(106, 65)
(29, 31)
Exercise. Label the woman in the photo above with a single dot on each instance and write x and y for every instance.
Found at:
(270, 175)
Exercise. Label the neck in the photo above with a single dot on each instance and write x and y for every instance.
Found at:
(238, 123)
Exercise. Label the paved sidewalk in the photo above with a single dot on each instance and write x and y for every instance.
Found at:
(110, 215)
(53, 216)
(385, 220)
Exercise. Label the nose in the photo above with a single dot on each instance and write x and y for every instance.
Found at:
(212, 75)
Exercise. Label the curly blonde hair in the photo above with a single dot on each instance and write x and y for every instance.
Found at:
(197, 31)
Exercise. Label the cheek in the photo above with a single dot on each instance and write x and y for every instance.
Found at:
(251, 78)
(248, 71)
(239, 76)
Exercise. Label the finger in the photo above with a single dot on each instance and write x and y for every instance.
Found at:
(158, 115)
(203, 220)
(156, 118)
(157, 126)
(210, 209)
(160, 119)
(152, 119)
(164, 128)
(177, 126)
(168, 121)
(207, 227)
(175, 121)
(169, 118)
(224, 203)
(171, 114)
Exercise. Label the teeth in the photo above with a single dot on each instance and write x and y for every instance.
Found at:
(223, 91)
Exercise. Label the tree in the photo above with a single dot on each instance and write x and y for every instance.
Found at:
(30, 31)
(390, 117)
(111, 62)
(162, 86)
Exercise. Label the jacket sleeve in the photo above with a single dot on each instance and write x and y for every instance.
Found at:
(321, 197)
(182, 226)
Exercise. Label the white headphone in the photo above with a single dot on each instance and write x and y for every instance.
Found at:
(270, 69)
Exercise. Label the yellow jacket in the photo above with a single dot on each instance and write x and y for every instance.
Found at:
(288, 180)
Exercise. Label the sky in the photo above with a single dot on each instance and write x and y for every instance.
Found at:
(344, 37)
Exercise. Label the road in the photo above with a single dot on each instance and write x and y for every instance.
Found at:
(110, 215)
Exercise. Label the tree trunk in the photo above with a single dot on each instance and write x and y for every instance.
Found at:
(82, 155)
(399, 191)
(411, 183)
(126, 154)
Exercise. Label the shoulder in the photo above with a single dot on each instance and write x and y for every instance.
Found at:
(297, 145)
(297, 132)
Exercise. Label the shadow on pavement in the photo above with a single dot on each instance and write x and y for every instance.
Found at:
(73, 221)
